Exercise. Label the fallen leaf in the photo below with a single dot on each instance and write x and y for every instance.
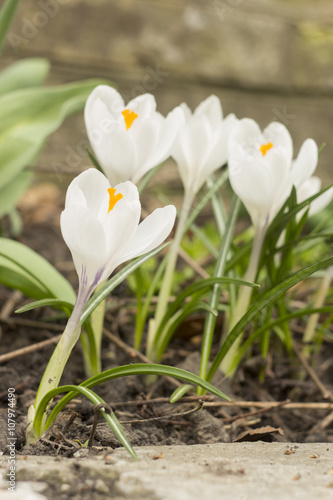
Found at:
(157, 457)
(259, 433)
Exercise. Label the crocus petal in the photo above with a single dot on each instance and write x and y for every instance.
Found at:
(118, 157)
(211, 109)
(279, 136)
(144, 105)
(150, 234)
(103, 103)
(85, 237)
(305, 163)
(89, 187)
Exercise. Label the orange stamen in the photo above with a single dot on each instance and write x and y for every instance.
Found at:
(113, 198)
(265, 147)
(129, 117)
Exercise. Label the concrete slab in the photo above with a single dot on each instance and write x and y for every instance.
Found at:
(232, 471)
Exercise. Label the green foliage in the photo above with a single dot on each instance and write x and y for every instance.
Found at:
(25, 270)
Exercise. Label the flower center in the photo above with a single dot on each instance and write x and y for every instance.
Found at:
(265, 147)
(113, 198)
(129, 117)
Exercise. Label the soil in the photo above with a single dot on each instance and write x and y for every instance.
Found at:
(148, 419)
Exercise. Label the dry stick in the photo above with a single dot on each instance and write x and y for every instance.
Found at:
(268, 404)
(10, 303)
(256, 412)
(32, 323)
(325, 392)
(143, 402)
(27, 350)
(133, 352)
(191, 262)
(166, 417)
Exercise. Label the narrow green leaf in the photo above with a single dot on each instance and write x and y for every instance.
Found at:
(180, 392)
(267, 298)
(6, 16)
(111, 419)
(55, 303)
(133, 369)
(216, 290)
(24, 269)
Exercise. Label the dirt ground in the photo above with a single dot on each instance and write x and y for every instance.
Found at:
(293, 404)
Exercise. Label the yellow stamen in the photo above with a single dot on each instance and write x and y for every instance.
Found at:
(265, 147)
(113, 198)
(129, 117)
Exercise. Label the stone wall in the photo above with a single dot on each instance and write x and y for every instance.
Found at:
(267, 59)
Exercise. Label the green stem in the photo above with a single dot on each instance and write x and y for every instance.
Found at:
(319, 302)
(244, 297)
(215, 293)
(165, 290)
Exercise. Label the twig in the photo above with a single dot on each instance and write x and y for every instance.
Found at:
(29, 349)
(143, 402)
(268, 404)
(32, 323)
(191, 262)
(256, 412)
(10, 303)
(166, 417)
(325, 392)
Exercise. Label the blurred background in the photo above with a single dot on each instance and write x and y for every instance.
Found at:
(265, 59)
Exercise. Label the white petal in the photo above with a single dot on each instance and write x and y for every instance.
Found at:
(91, 186)
(104, 102)
(150, 233)
(144, 105)
(305, 163)
(245, 136)
(210, 108)
(84, 236)
(278, 135)
(170, 127)
(120, 224)
(117, 157)
(145, 143)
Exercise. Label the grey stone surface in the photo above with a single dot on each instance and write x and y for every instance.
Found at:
(265, 59)
(233, 471)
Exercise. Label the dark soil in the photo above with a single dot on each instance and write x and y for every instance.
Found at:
(148, 420)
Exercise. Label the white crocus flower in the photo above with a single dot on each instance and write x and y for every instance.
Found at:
(262, 172)
(199, 150)
(100, 225)
(128, 140)
(260, 166)
(202, 144)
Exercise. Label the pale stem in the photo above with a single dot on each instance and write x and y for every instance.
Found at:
(244, 297)
(319, 302)
(165, 290)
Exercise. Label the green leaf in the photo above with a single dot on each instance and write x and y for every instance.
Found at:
(23, 269)
(29, 116)
(122, 371)
(111, 419)
(6, 15)
(269, 297)
(110, 285)
(12, 192)
(55, 303)
(23, 74)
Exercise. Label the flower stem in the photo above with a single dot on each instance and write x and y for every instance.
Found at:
(244, 297)
(313, 320)
(168, 277)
